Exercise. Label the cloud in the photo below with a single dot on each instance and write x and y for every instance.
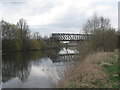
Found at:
(119, 16)
(47, 30)
(47, 16)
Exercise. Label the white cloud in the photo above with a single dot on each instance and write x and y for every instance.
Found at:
(48, 17)
(59, 15)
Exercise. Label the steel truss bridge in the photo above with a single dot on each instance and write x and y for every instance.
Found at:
(69, 37)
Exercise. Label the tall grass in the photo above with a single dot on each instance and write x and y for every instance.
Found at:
(92, 73)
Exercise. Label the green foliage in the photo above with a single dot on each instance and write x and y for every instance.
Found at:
(34, 44)
(112, 70)
(11, 45)
(18, 37)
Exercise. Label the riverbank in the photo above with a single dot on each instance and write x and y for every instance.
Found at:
(99, 70)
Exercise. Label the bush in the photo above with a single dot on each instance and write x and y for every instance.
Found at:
(102, 36)
(18, 45)
(104, 40)
(85, 48)
(34, 45)
(11, 45)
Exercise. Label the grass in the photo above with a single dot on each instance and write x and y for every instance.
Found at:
(99, 70)
(112, 70)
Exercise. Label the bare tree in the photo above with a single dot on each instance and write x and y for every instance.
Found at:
(6, 29)
(103, 36)
(37, 36)
(24, 29)
(96, 23)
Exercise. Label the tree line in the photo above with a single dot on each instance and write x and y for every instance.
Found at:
(103, 37)
(17, 37)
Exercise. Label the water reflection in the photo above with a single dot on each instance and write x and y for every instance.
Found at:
(32, 70)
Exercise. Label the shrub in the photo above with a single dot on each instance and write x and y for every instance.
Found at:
(11, 45)
(34, 45)
(102, 36)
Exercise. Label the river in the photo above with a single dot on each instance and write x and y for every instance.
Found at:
(35, 69)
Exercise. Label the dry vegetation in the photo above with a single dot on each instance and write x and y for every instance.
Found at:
(98, 66)
(89, 74)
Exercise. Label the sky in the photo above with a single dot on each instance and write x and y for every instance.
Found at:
(119, 16)
(57, 16)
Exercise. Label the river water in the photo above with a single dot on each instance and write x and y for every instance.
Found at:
(35, 69)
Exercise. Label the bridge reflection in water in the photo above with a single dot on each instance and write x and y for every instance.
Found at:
(34, 69)
(65, 58)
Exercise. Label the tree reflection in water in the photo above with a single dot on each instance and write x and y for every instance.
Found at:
(19, 64)
(33, 69)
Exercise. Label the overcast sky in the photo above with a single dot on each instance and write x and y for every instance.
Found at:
(47, 16)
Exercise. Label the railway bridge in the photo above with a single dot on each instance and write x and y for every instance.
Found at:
(68, 37)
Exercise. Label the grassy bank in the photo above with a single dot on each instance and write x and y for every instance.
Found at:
(99, 70)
